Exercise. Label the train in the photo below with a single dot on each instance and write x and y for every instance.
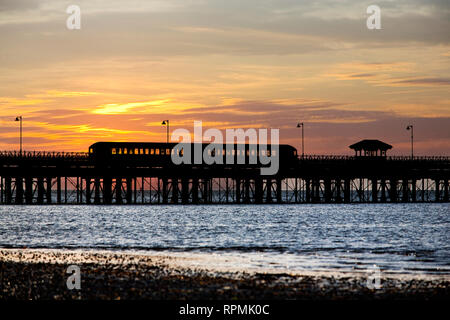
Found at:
(160, 154)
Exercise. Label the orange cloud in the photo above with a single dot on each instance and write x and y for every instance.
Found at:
(59, 94)
(162, 106)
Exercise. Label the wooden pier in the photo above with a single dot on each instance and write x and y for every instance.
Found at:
(73, 178)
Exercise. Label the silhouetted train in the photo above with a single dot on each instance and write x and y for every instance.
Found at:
(159, 154)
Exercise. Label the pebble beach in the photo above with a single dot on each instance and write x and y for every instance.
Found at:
(41, 274)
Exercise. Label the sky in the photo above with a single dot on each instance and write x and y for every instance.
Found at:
(231, 64)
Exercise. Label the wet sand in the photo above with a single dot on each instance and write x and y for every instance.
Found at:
(41, 274)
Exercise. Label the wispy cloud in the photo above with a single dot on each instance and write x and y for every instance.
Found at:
(422, 82)
(59, 94)
(114, 108)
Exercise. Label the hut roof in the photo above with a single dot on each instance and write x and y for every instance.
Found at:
(370, 145)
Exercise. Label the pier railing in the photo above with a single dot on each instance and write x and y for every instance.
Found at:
(389, 158)
(44, 154)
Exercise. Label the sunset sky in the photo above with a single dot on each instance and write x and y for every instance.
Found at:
(230, 64)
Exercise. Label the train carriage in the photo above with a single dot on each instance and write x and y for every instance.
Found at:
(160, 154)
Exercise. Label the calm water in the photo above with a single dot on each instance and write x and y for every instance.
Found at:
(406, 238)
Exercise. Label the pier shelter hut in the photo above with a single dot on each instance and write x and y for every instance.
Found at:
(370, 148)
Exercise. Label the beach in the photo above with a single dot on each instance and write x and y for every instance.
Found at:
(41, 274)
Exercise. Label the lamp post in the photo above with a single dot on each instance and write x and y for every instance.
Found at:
(410, 127)
(302, 125)
(166, 123)
(19, 118)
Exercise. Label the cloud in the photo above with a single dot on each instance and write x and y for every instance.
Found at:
(423, 82)
(353, 76)
(7, 102)
(168, 28)
(115, 108)
(18, 5)
(59, 94)
(398, 74)
(36, 11)
(274, 114)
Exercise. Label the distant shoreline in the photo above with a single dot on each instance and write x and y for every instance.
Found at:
(42, 274)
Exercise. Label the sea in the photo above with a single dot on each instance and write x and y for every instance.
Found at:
(410, 238)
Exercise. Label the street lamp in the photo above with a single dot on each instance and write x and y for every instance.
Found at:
(166, 123)
(19, 118)
(410, 127)
(302, 125)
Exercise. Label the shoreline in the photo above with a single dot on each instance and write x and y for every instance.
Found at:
(42, 274)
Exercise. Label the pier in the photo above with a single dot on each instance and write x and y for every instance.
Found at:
(74, 178)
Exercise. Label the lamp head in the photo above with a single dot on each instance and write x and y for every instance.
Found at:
(300, 124)
(409, 127)
(19, 118)
(164, 123)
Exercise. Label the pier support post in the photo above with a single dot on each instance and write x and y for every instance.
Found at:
(107, 190)
(347, 190)
(195, 190)
(361, 193)
(247, 190)
(313, 191)
(206, 191)
(238, 190)
(19, 190)
(165, 195)
(174, 198)
(279, 191)
(413, 190)
(308, 190)
(118, 191)
(88, 190)
(327, 187)
(78, 190)
(405, 190)
(227, 190)
(49, 190)
(258, 190)
(184, 190)
(437, 195)
(296, 190)
(393, 190)
(383, 191)
(423, 190)
(446, 196)
(8, 190)
(135, 190)
(40, 190)
(316, 190)
(129, 193)
(58, 190)
(65, 190)
(29, 190)
(268, 190)
(158, 184)
(97, 191)
(143, 190)
(374, 190)
(337, 184)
